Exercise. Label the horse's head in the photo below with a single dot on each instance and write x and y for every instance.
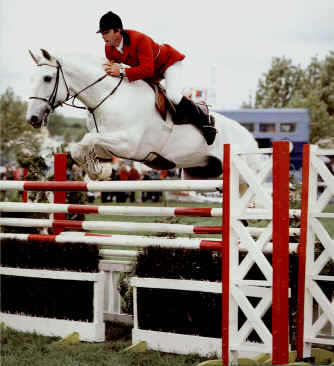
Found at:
(50, 89)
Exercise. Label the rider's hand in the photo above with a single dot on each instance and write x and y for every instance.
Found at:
(112, 69)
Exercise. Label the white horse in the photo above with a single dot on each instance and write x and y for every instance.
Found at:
(126, 124)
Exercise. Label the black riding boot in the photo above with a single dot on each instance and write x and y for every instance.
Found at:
(198, 117)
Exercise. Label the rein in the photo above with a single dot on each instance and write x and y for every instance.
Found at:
(52, 98)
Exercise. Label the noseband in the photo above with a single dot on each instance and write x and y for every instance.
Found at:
(51, 101)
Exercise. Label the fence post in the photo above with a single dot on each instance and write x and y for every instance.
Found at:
(280, 256)
(225, 255)
(60, 170)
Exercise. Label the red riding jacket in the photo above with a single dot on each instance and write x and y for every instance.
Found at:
(147, 58)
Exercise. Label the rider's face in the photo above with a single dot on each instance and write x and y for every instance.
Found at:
(112, 37)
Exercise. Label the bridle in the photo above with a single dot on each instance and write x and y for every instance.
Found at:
(51, 101)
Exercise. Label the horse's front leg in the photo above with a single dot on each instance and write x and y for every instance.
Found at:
(84, 156)
(93, 147)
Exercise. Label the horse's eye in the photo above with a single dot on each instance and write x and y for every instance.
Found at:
(47, 78)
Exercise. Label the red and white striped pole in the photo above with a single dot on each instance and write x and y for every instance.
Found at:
(113, 186)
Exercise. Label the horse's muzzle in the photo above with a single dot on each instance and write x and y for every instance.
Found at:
(35, 121)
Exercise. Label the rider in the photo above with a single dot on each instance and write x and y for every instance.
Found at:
(149, 60)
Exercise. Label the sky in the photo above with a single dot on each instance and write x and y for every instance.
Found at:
(229, 45)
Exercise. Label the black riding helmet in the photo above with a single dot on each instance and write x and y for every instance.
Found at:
(108, 21)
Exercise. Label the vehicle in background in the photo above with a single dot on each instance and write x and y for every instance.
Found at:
(269, 125)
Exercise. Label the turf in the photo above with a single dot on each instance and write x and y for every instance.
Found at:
(26, 349)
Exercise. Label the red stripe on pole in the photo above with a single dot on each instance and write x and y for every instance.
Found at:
(226, 254)
(25, 193)
(83, 209)
(211, 245)
(60, 170)
(201, 212)
(97, 234)
(41, 237)
(207, 229)
(55, 186)
(280, 256)
(68, 224)
(302, 251)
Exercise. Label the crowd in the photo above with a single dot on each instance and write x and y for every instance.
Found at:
(8, 172)
(124, 172)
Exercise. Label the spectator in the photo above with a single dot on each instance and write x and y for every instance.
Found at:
(18, 174)
(153, 196)
(123, 175)
(164, 174)
(133, 175)
(9, 172)
(145, 195)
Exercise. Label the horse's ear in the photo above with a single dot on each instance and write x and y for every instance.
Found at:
(46, 54)
(36, 59)
(50, 60)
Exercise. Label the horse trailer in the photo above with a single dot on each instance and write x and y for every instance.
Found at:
(269, 125)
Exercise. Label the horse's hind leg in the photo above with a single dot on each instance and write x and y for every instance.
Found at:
(213, 169)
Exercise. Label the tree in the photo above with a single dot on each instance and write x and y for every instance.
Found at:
(279, 84)
(71, 129)
(17, 136)
(56, 124)
(289, 86)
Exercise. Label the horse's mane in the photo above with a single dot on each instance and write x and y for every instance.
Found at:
(92, 62)
(82, 60)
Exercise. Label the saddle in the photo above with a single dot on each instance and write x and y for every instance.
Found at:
(164, 105)
(162, 102)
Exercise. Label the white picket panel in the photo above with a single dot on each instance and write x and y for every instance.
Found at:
(318, 330)
(259, 190)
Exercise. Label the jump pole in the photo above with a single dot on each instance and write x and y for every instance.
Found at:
(251, 214)
(113, 186)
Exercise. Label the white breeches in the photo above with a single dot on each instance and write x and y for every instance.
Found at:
(173, 78)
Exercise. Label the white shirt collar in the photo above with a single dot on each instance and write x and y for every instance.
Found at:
(120, 47)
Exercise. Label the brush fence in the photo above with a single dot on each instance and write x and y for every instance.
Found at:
(88, 331)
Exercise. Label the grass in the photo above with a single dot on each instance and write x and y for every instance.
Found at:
(27, 349)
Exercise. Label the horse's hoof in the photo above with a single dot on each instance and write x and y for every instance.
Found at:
(106, 171)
